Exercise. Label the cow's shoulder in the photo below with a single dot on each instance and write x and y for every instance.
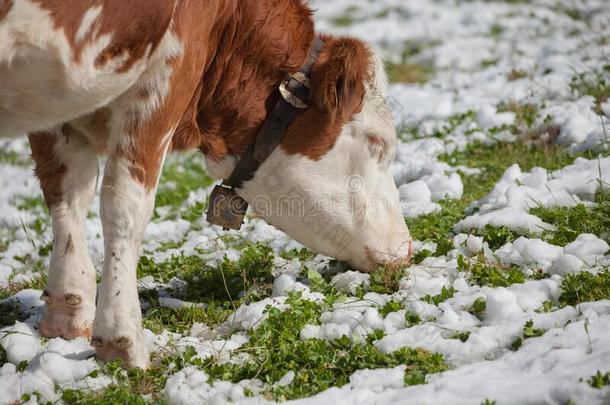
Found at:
(135, 27)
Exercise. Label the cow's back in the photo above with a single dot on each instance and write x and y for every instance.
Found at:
(62, 59)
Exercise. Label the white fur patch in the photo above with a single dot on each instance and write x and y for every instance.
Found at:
(43, 84)
(71, 270)
(91, 15)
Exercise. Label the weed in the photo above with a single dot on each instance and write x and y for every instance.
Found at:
(412, 319)
(347, 18)
(389, 307)
(181, 176)
(10, 312)
(516, 74)
(303, 254)
(180, 320)
(496, 237)
(460, 335)
(573, 221)
(547, 306)
(525, 114)
(3, 359)
(386, 279)
(496, 30)
(595, 84)
(488, 274)
(444, 295)
(528, 332)
(250, 275)
(37, 283)
(408, 72)
(599, 380)
(132, 387)
(584, 287)
(478, 308)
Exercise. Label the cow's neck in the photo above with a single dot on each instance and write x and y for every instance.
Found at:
(256, 43)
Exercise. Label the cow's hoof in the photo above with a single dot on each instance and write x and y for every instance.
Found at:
(65, 316)
(133, 354)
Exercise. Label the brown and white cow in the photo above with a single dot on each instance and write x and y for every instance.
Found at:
(132, 79)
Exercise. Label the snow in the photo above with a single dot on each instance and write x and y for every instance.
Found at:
(20, 342)
(517, 192)
(471, 77)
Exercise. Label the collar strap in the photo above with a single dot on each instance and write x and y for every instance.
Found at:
(295, 91)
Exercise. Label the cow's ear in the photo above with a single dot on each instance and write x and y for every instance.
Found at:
(339, 76)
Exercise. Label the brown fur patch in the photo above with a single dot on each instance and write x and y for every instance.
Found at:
(5, 7)
(252, 45)
(192, 24)
(136, 26)
(240, 81)
(337, 95)
(49, 168)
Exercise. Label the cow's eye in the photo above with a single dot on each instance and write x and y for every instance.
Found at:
(377, 145)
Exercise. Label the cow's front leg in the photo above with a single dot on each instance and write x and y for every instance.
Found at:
(67, 169)
(127, 201)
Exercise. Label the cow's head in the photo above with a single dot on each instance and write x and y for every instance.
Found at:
(328, 185)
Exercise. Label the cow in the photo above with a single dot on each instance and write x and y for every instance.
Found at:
(134, 79)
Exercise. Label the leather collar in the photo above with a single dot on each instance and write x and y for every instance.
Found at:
(226, 208)
(295, 91)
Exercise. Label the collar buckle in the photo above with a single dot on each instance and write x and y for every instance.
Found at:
(295, 90)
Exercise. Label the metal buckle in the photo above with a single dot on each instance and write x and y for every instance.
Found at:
(226, 208)
(291, 98)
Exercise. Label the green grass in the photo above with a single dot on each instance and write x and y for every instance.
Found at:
(408, 72)
(389, 307)
(386, 279)
(584, 287)
(275, 348)
(573, 221)
(14, 158)
(412, 319)
(12, 288)
(525, 114)
(443, 296)
(10, 312)
(223, 288)
(497, 237)
(180, 176)
(230, 281)
(438, 226)
(347, 18)
(546, 307)
(595, 84)
(478, 308)
(410, 69)
(528, 332)
(489, 274)
(492, 160)
(460, 335)
(302, 254)
(132, 387)
(180, 320)
(516, 74)
(599, 380)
